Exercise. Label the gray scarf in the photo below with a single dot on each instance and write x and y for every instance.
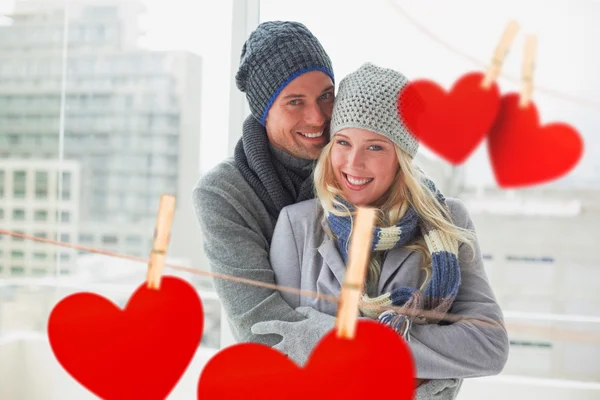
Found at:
(278, 178)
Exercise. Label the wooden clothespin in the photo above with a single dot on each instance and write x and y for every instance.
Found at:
(162, 234)
(500, 54)
(358, 259)
(527, 71)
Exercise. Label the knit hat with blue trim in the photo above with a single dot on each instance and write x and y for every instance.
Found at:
(275, 54)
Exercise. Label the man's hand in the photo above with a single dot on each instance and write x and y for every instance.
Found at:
(299, 338)
(438, 389)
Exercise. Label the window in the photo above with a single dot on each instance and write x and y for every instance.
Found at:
(66, 194)
(109, 239)
(106, 129)
(17, 254)
(41, 185)
(19, 184)
(100, 31)
(531, 259)
(100, 216)
(1, 184)
(133, 241)
(40, 215)
(41, 178)
(129, 101)
(18, 214)
(526, 343)
(172, 162)
(65, 216)
(533, 249)
(64, 237)
(13, 140)
(101, 139)
(17, 271)
(83, 238)
(18, 239)
(173, 121)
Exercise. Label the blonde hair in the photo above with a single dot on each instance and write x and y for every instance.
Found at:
(408, 189)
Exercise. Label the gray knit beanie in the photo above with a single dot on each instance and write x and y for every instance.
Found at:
(368, 99)
(276, 53)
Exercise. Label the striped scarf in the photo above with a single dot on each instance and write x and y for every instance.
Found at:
(441, 289)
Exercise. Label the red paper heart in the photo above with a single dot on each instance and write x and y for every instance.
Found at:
(136, 353)
(451, 124)
(376, 364)
(522, 153)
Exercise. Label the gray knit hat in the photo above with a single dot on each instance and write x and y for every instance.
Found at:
(276, 53)
(368, 99)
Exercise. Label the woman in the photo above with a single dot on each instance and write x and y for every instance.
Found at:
(424, 252)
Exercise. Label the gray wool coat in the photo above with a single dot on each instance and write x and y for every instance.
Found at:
(303, 256)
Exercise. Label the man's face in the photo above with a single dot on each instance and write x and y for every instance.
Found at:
(298, 121)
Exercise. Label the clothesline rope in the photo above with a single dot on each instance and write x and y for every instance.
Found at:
(553, 332)
(474, 60)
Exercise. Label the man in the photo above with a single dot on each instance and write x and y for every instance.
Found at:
(288, 80)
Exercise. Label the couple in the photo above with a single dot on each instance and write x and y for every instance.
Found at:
(273, 214)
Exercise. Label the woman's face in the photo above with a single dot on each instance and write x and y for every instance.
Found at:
(364, 164)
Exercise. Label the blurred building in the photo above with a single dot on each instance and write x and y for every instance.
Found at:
(539, 256)
(33, 203)
(73, 83)
(542, 236)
